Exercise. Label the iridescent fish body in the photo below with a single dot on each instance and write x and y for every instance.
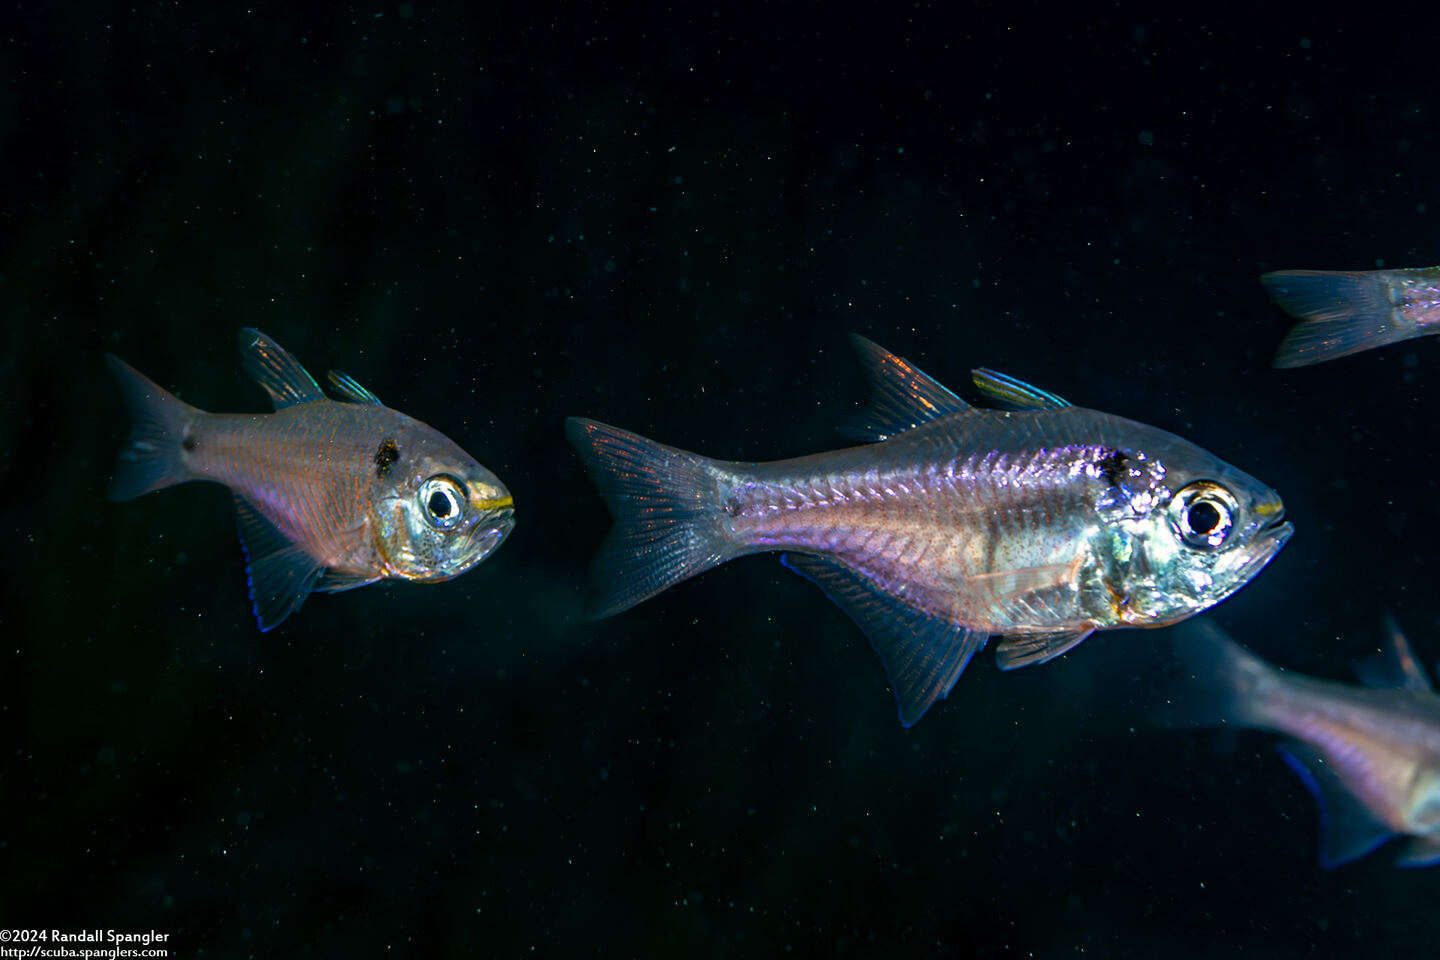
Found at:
(329, 495)
(1346, 311)
(1043, 523)
(1370, 755)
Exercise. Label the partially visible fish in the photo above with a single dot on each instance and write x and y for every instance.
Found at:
(1346, 311)
(1043, 524)
(1370, 755)
(329, 495)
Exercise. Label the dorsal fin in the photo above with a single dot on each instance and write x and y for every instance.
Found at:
(349, 388)
(902, 395)
(1014, 394)
(280, 374)
(1395, 666)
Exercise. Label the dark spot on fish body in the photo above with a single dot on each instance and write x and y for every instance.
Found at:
(1113, 467)
(189, 443)
(386, 456)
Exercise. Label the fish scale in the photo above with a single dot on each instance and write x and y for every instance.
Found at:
(934, 520)
(329, 495)
(1042, 524)
(309, 470)
(1370, 755)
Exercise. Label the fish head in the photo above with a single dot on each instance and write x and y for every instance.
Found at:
(1196, 530)
(1422, 814)
(437, 512)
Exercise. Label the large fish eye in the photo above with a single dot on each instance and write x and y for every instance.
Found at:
(1203, 514)
(443, 500)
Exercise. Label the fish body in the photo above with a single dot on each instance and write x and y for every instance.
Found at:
(1041, 524)
(329, 495)
(1370, 755)
(1346, 311)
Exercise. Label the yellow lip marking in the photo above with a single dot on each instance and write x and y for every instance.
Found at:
(1270, 509)
(498, 503)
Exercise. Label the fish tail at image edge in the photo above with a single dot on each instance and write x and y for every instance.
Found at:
(1340, 312)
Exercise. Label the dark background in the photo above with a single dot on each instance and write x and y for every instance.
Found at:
(495, 218)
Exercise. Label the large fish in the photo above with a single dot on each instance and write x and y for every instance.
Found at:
(1370, 755)
(330, 495)
(1043, 524)
(1345, 311)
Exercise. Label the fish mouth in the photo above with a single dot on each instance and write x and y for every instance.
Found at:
(1274, 533)
(1266, 543)
(1277, 535)
(491, 531)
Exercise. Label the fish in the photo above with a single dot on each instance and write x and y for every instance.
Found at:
(1346, 311)
(329, 495)
(1040, 523)
(1369, 754)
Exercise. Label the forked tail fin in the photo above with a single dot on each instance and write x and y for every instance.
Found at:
(667, 519)
(153, 455)
(1340, 312)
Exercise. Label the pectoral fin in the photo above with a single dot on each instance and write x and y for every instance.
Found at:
(1025, 594)
(334, 581)
(1023, 650)
(923, 655)
(1347, 829)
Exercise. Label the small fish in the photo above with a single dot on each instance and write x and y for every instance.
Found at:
(329, 495)
(1370, 755)
(1346, 311)
(1043, 524)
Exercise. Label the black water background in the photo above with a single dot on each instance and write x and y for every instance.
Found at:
(497, 217)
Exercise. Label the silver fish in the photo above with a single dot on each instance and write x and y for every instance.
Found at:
(1370, 755)
(1043, 524)
(329, 495)
(1346, 311)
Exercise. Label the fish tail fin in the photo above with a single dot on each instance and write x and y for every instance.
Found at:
(153, 455)
(667, 522)
(1220, 683)
(1340, 312)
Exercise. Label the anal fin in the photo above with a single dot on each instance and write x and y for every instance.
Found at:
(1420, 852)
(280, 574)
(1348, 830)
(923, 655)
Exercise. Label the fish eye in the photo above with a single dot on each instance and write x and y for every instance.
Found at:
(1203, 514)
(443, 500)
